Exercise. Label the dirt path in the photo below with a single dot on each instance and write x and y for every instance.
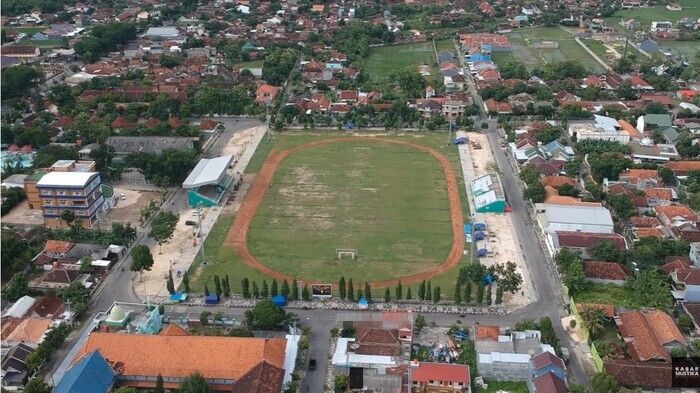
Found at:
(238, 233)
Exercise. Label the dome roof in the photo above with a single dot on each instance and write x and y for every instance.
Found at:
(116, 314)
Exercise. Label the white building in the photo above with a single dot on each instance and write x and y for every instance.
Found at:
(565, 218)
(601, 128)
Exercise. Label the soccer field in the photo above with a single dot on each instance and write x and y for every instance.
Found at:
(523, 42)
(389, 202)
(385, 59)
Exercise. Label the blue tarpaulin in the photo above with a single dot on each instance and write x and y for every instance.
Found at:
(178, 297)
(279, 300)
(479, 226)
(467, 229)
(488, 279)
(482, 252)
(479, 235)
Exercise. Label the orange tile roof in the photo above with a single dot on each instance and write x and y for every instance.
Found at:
(29, 330)
(648, 232)
(180, 356)
(628, 128)
(567, 200)
(683, 166)
(647, 332)
(58, 246)
(670, 267)
(174, 330)
(607, 309)
(659, 193)
(605, 270)
(677, 211)
(486, 332)
(558, 181)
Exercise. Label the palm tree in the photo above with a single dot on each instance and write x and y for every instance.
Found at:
(593, 320)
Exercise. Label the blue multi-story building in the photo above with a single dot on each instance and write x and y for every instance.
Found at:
(78, 192)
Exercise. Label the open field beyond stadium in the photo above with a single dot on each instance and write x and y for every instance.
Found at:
(522, 42)
(403, 225)
(383, 60)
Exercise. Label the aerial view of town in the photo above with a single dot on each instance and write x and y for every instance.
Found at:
(381, 196)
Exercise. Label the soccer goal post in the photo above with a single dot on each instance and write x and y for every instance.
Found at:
(362, 150)
(340, 253)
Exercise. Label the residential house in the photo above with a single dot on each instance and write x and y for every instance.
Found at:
(440, 377)
(641, 178)
(20, 51)
(681, 168)
(582, 219)
(29, 331)
(650, 122)
(59, 278)
(548, 383)
(506, 356)
(602, 128)
(266, 94)
(686, 285)
(583, 241)
(605, 272)
(546, 363)
(678, 217)
(15, 371)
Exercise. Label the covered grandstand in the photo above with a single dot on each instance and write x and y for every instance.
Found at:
(208, 181)
(488, 194)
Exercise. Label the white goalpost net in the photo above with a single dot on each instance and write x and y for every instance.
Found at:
(346, 252)
(362, 150)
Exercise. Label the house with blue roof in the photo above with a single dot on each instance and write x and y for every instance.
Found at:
(90, 374)
(556, 150)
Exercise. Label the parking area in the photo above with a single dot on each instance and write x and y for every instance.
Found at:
(501, 240)
(23, 215)
(129, 204)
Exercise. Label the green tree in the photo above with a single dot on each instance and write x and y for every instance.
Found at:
(85, 264)
(169, 284)
(305, 293)
(227, 286)
(295, 290)
(409, 295)
(436, 294)
(163, 227)
(274, 291)
(126, 389)
(508, 277)
(650, 289)
(467, 292)
(488, 295)
(159, 385)
(428, 291)
(285, 289)
(535, 192)
(277, 65)
(568, 190)
(68, 216)
(245, 288)
(256, 291)
(141, 258)
(341, 287)
(574, 278)
(217, 286)
(458, 293)
(37, 385)
(265, 316)
(387, 295)
(606, 251)
(185, 282)
(19, 80)
(608, 165)
(194, 383)
(622, 205)
(265, 291)
(399, 291)
(421, 290)
(593, 320)
(368, 293)
(351, 291)
(480, 293)
(603, 382)
(499, 295)
(206, 289)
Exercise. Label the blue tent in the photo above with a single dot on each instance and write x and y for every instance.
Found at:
(279, 300)
(479, 226)
(90, 374)
(467, 229)
(479, 235)
(211, 299)
(482, 252)
(460, 140)
(363, 303)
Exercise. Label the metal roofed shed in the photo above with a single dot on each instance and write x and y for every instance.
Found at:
(488, 194)
(208, 181)
(595, 219)
(208, 171)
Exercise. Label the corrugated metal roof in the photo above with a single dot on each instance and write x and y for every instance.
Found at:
(91, 374)
(578, 214)
(207, 171)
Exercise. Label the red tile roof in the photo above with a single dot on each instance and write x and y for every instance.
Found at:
(546, 358)
(644, 222)
(588, 239)
(441, 372)
(548, 383)
(58, 246)
(677, 211)
(558, 181)
(681, 168)
(643, 374)
(486, 332)
(670, 267)
(688, 276)
(607, 309)
(605, 270)
(173, 330)
(647, 332)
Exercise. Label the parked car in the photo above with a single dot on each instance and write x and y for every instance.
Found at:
(191, 223)
(312, 364)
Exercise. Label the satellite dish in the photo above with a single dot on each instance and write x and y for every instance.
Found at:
(646, 141)
(354, 346)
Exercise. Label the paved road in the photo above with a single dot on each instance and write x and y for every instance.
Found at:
(118, 284)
